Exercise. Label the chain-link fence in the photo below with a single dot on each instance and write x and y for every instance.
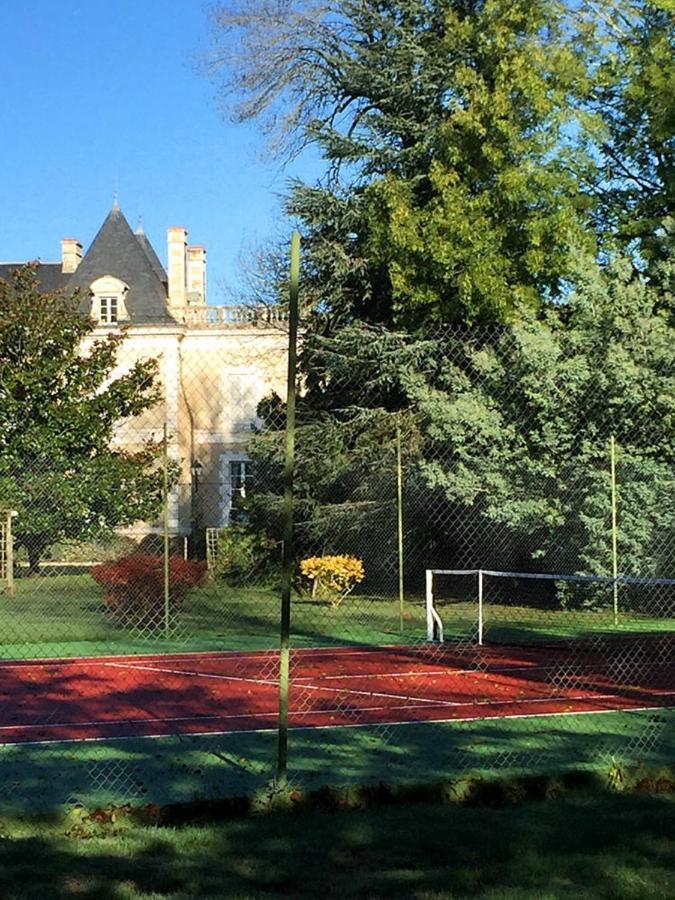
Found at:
(510, 490)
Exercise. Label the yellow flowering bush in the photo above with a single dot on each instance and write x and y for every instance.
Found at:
(332, 577)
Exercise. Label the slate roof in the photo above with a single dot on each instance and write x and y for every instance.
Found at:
(117, 251)
(50, 277)
(152, 256)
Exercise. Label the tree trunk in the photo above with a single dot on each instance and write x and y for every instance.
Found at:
(36, 545)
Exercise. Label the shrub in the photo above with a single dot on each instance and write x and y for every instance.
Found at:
(135, 587)
(332, 577)
(241, 553)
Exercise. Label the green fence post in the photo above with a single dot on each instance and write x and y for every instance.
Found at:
(615, 555)
(399, 503)
(288, 548)
(165, 525)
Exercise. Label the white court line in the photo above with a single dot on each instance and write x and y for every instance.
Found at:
(217, 677)
(321, 712)
(306, 687)
(133, 666)
(399, 724)
(317, 687)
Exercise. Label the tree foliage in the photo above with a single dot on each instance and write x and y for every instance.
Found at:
(58, 411)
(473, 147)
(506, 434)
(518, 429)
(445, 123)
(634, 103)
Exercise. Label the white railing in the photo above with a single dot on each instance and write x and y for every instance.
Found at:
(228, 316)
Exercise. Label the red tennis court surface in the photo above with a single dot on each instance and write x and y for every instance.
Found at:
(135, 696)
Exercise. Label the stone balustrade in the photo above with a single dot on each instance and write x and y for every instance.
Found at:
(206, 316)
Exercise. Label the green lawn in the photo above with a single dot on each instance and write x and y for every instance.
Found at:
(580, 846)
(181, 769)
(63, 614)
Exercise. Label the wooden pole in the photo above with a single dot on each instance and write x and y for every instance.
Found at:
(288, 547)
(9, 552)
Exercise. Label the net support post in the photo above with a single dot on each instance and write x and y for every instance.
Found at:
(429, 595)
(434, 623)
(480, 607)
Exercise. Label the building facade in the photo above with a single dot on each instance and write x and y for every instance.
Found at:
(215, 362)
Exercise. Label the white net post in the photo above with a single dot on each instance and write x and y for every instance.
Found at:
(480, 607)
(430, 604)
(434, 623)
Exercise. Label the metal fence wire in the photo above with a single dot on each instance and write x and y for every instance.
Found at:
(512, 493)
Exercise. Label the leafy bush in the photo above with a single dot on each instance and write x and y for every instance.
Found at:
(241, 554)
(135, 587)
(332, 577)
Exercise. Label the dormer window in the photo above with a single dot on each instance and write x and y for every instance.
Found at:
(108, 310)
(108, 307)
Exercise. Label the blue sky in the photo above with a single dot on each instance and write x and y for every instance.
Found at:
(105, 94)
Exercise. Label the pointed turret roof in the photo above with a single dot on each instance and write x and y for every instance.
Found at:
(117, 251)
(149, 251)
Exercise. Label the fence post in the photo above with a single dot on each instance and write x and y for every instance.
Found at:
(399, 500)
(288, 548)
(165, 527)
(9, 551)
(615, 554)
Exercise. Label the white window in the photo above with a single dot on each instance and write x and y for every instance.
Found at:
(234, 479)
(108, 310)
(238, 476)
(107, 300)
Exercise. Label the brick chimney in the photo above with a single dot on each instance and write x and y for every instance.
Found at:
(196, 275)
(177, 253)
(71, 254)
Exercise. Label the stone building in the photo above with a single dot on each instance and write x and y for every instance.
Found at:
(216, 362)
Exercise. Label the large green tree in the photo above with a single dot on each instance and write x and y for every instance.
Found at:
(58, 410)
(446, 125)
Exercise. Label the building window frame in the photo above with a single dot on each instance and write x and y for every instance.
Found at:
(234, 478)
(108, 309)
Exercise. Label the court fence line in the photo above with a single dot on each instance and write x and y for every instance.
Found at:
(465, 454)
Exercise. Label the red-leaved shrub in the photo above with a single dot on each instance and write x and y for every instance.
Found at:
(135, 587)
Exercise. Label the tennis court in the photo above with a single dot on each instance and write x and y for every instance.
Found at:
(89, 699)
